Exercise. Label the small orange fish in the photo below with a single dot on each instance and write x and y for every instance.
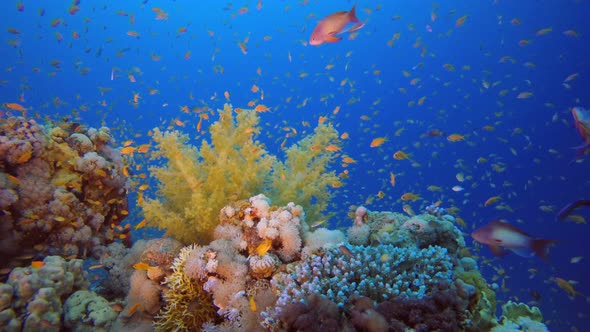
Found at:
(263, 247)
(141, 266)
(332, 148)
(378, 142)
(400, 155)
(117, 307)
(128, 150)
(491, 200)
(567, 287)
(133, 309)
(410, 197)
(24, 157)
(345, 251)
(329, 27)
(143, 148)
(460, 21)
(392, 179)
(261, 108)
(252, 303)
(455, 138)
(408, 209)
(37, 264)
(524, 95)
(141, 224)
(348, 160)
(97, 266)
(13, 179)
(14, 107)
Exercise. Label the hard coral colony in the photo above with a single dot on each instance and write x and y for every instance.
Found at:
(62, 190)
(241, 265)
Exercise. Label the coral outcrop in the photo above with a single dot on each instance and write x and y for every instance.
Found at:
(32, 297)
(267, 270)
(234, 165)
(63, 191)
(87, 311)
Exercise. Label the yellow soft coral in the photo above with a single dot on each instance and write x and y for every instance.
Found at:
(196, 183)
(304, 176)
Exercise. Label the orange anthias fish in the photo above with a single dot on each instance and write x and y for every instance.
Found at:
(329, 27)
(498, 234)
(582, 123)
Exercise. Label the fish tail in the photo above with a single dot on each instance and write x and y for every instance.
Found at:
(540, 246)
(568, 209)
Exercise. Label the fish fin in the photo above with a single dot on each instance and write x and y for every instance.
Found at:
(523, 252)
(356, 27)
(582, 150)
(332, 39)
(498, 251)
(540, 246)
(352, 14)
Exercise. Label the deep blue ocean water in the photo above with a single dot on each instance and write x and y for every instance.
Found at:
(409, 71)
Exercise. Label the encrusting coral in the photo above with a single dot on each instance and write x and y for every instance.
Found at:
(234, 165)
(63, 191)
(32, 297)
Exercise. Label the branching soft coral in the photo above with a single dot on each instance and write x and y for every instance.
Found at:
(195, 183)
(304, 176)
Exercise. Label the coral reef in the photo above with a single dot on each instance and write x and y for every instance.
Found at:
(314, 314)
(441, 311)
(253, 240)
(520, 317)
(32, 297)
(63, 189)
(118, 261)
(87, 311)
(380, 273)
(266, 270)
(234, 165)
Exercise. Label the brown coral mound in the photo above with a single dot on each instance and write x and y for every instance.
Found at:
(439, 312)
(317, 314)
(62, 189)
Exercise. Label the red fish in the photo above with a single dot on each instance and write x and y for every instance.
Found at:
(582, 124)
(498, 235)
(329, 27)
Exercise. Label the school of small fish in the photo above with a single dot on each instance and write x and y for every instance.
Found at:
(423, 126)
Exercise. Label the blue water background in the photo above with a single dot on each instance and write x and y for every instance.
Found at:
(531, 141)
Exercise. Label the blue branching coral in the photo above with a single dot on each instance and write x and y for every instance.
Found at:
(382, 272)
